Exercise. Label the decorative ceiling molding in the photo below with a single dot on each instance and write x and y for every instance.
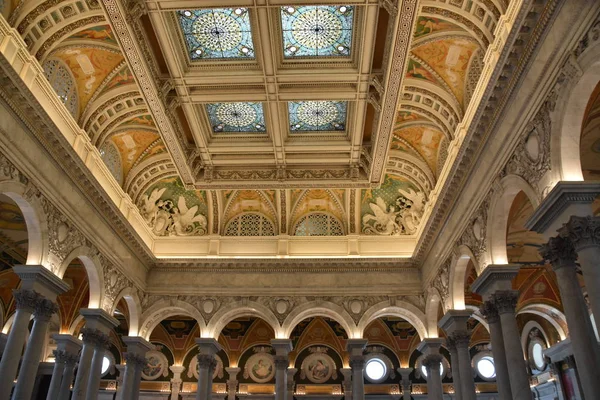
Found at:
(142, 176)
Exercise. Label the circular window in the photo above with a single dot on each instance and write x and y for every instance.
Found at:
(537, 351)
(105, 365)
(486, 367)
(375, 369)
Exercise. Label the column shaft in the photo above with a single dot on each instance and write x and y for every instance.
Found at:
(357, 364)
(57, 374)
(506, 301)
(589, 259)
(128, 379)
(137, 380)
(33, 352)
(281, 364)
(85, 359)
(432, 364)
(502, 379)
(96, 368)
(462, 339)
(26, 301)
(204, 361)
(456, 377)
(67, 379)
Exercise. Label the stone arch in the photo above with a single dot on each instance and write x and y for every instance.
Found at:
(525, 333)
(572, 106)
(400, 309)
(319, 309)
(93, 267)
(8, 323)
(432, 306)
(164, 309)
(236, 310)
(477, 316)
(552, 315)
(35, 221)
(134, 307)
(510, 186)
(458, 274)
(75, 324)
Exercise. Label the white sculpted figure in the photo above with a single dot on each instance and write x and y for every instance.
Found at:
(149, 205)
(410, 217)
(382, 221)
(185, 220)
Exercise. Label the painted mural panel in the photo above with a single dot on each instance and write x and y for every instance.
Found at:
(131, 145)
(425, 139)
(429, 25)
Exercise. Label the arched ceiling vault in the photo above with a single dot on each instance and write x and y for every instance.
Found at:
(441, 69)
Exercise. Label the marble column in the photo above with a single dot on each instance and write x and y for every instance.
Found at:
(67, 347)
(561, 253)
(67, 379)
(490, 313)
(291, 384)
(506, 302)
(206, 365)
(121, 369)
(432, 362)
(137, 348)
(455, 365)
(3, 339)
(406, 383)
(25, 301)
(282, 361)
(97, 324)
(454, 323)
(101, 345)
(355, 349)
(347, 384)
(584, 233)
(33, 351)
(176, 382)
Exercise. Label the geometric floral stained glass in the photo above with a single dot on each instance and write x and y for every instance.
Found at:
(217, 33)
(236, 117)
(312, 31)
(317, 116)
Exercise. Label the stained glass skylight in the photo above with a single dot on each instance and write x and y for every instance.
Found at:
(217, 33)
(236, 117)
(312, 31)
(317, 116)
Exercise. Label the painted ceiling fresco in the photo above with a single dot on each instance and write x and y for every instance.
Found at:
(443, 66)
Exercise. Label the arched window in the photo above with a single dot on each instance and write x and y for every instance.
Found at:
(112, 159)
(250, 224)
(319, 224)
(62, 82)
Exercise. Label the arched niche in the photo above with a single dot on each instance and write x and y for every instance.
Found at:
(319, 309)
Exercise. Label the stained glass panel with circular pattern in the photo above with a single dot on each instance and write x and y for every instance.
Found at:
(217, 33)
(317, 116)
(236, 117)
(313, 31)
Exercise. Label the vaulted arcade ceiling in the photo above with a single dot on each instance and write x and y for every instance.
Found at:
(268, 118)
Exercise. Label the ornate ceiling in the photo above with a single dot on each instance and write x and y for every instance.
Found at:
(266, 118)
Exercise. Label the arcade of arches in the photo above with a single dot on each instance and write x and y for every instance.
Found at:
(279, 200)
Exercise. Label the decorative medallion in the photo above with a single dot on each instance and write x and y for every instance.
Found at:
(193, 368)
(313, 31)
(217, 33)
(317, 116)
(156, 366)
(260, 368)
(236, 117)
(318, 367)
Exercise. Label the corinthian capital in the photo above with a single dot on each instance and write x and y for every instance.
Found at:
(135, 360)
(489, 312)
(560, 252)
(60, 356)
(205, 360)
(26, 299)
(506, 301)
(583, 231)
(45, 308)
(433, 361)
(461, 338)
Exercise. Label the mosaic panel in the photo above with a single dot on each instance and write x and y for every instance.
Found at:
(313, 31)
(317, 116)
(236, 117)
(217, 33)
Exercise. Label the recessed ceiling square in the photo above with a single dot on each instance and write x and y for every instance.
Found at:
(217, 33)
(317, 31)
(236, 117)
(317, 116)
